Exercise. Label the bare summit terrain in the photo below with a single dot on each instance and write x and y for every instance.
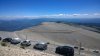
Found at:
(58, 34)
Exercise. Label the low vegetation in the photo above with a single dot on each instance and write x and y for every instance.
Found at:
(3, 43)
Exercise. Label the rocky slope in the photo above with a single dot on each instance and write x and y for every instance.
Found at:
(16, 51)
(56, 34)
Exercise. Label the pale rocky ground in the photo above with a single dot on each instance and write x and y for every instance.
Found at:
(16, 51)
(59, 34)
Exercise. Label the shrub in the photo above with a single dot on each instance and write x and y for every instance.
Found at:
(3, 43)
(23, 47)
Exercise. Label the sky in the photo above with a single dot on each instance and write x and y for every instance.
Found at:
(50, 8)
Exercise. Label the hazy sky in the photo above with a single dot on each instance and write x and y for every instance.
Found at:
(50, 8)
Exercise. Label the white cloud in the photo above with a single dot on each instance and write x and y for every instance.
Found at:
(61, 14)
(94, 15)
(97, 14)
(74, 15)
